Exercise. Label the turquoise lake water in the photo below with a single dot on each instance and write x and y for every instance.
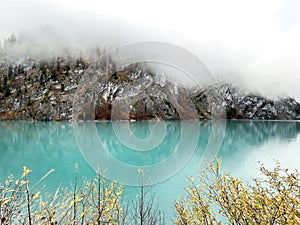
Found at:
(168, 152)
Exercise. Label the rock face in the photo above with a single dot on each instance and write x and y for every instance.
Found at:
(65, 88)
(38, 90)
(240, 105)
(131, 93)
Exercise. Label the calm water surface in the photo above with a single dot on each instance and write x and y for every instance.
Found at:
(181, 147)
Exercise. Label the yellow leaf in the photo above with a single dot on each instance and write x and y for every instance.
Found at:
(77, 199)
(141, 171)
(191, 179)
(43, 204)
(83, 213)
(25, 171)
(52, 214)
(34, 196)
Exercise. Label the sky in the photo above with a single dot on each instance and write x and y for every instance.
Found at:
(251, 43)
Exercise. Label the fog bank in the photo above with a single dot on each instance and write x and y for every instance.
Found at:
(250, 43)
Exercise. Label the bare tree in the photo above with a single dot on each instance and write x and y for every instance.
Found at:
(145, 210)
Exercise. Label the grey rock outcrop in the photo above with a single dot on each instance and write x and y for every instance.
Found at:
(241, 105)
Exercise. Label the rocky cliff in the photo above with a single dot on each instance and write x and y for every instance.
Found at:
(65, 88)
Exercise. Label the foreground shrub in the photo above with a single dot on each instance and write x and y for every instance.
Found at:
(94, 202)
(215, 197)
(98, 201)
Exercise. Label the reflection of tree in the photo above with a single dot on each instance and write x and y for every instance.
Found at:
(256, 133)
(122, 152)
(38, 139)
(52, 144)
(40, 145)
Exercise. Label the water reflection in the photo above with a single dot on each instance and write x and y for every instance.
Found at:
(41, 146)
(159, 150)
(45, 145)
(114, 147)
(245, 137)
(259, 132)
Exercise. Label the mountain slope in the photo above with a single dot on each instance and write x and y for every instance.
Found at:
(65, 88)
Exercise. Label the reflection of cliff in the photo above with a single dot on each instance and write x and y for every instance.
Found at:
(45, 145)
(141, 130)
(41, 146)
(242, 135)
(38, 139)
(41, 136)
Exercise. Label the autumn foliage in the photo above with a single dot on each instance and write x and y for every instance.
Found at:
(211, 198)
(216, 197)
